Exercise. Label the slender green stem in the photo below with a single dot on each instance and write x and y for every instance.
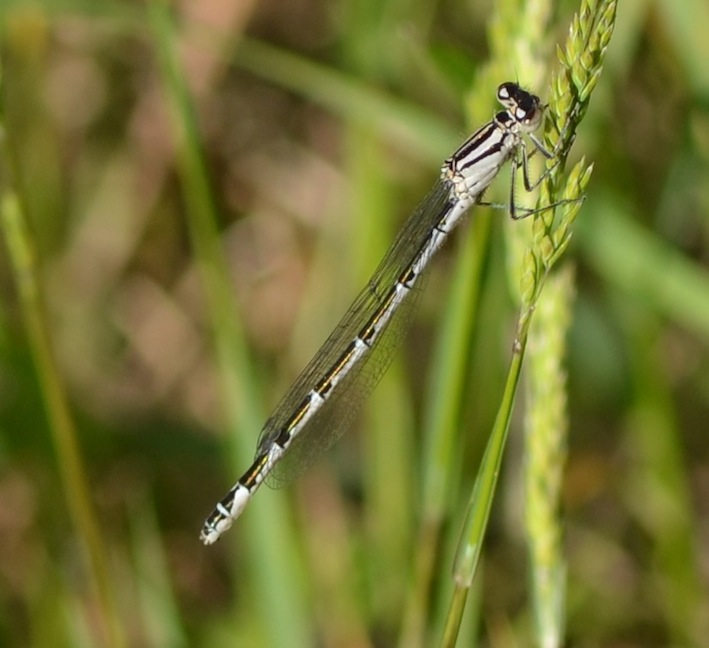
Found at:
(61, 423)
(280, 595)
(468, 554)
(454, 619)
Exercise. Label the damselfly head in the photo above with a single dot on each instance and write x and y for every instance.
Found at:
(522, 106)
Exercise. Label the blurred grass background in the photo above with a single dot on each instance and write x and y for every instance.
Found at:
(281, 144)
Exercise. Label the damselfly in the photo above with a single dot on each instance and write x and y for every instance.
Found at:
(350, 363)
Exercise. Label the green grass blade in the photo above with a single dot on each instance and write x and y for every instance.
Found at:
(273, 569)
(61, 423)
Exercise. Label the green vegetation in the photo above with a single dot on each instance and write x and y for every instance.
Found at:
(192, 195)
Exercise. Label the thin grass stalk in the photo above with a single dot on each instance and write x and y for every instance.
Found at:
(468, 554)
(273, 564)
(72, 471)
(455, 617)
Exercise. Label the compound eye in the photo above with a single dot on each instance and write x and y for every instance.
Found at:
(531, 118)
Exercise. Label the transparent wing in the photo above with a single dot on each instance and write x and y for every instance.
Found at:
(336, 413)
